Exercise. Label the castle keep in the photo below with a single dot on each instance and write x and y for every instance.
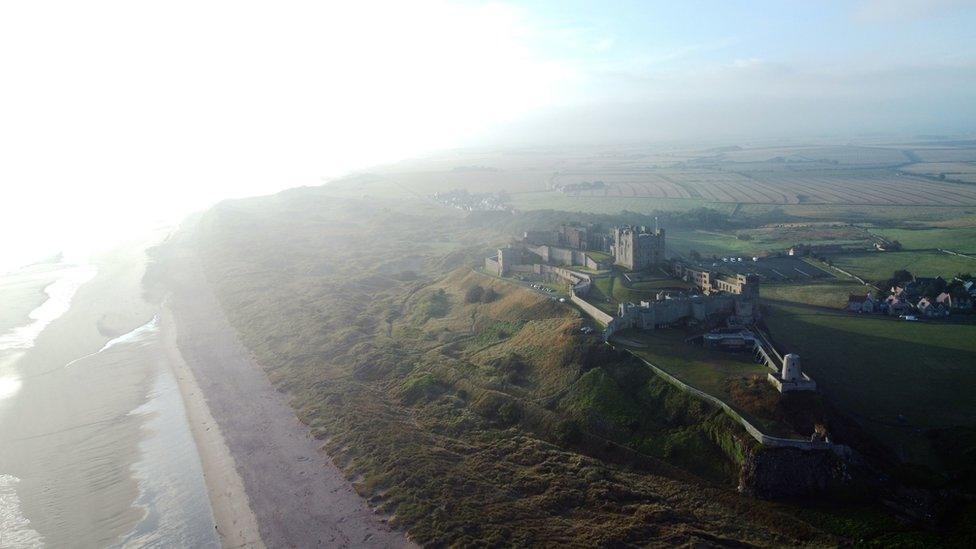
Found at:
(636, 248)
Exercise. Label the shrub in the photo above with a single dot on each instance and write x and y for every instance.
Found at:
(474, 294)
(488, 296)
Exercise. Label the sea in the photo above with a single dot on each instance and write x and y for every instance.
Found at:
(95, 446)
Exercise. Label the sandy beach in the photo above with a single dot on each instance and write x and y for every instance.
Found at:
(298, 497)
(235, 522)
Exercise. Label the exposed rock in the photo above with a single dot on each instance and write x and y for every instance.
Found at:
(772, 473)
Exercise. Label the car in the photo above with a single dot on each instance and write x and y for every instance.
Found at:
(562, 300)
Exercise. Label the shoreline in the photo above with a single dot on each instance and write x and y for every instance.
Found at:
(236, 524)
(298, 496)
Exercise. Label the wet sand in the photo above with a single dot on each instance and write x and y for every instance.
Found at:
(299, 497)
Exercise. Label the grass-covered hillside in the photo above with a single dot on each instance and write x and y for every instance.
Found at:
(471, 416)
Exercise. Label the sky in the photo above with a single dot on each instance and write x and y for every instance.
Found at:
(116, 116)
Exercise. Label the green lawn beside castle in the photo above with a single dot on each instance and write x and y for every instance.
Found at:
(899, 379)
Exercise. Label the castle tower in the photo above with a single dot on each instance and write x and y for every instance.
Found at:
(636, 248)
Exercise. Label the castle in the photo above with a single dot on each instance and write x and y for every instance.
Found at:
(636, 248)
(720, 296)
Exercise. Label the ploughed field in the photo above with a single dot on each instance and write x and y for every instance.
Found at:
(841, 186)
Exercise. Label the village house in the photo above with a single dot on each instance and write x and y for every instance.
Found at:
(930, 308)
(857, 303)
(958, 302)
(895, 306)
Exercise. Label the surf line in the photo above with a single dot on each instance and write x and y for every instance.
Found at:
(134, 335)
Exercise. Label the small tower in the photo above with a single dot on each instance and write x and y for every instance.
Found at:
(791, 368)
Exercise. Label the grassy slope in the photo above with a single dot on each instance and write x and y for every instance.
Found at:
(878, 369)
(466, 421)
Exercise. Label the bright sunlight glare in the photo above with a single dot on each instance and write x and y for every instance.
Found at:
(120, 115)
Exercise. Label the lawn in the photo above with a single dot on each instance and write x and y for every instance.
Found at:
(614, 287)
(599, 256)
(701, 368)
(833, 293)
(878, 266)
(896, 378)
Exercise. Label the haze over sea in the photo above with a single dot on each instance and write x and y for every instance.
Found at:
(97, 450)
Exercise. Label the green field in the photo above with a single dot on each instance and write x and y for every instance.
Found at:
(709, 243)
(768, 239)
(896, 378)
(833, 293)
(957, 239)
(878, 266)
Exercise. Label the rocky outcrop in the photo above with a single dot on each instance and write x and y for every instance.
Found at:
(772, 473)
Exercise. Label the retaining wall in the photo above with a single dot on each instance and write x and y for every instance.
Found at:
(762, 438)
(592, 310)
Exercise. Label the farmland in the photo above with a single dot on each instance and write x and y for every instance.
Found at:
(876, 187)
(814, 180)
(874, 266)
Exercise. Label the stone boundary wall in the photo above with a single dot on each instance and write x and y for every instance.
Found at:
(762, 438)
(592, 310)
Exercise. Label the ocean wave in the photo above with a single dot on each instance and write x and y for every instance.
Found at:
(59, 296)
(15, 530)
(134, 336)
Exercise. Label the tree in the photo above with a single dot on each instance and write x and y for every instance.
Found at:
(901, 275)
(694, 255)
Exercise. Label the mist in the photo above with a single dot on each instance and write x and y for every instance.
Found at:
(118, 116)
